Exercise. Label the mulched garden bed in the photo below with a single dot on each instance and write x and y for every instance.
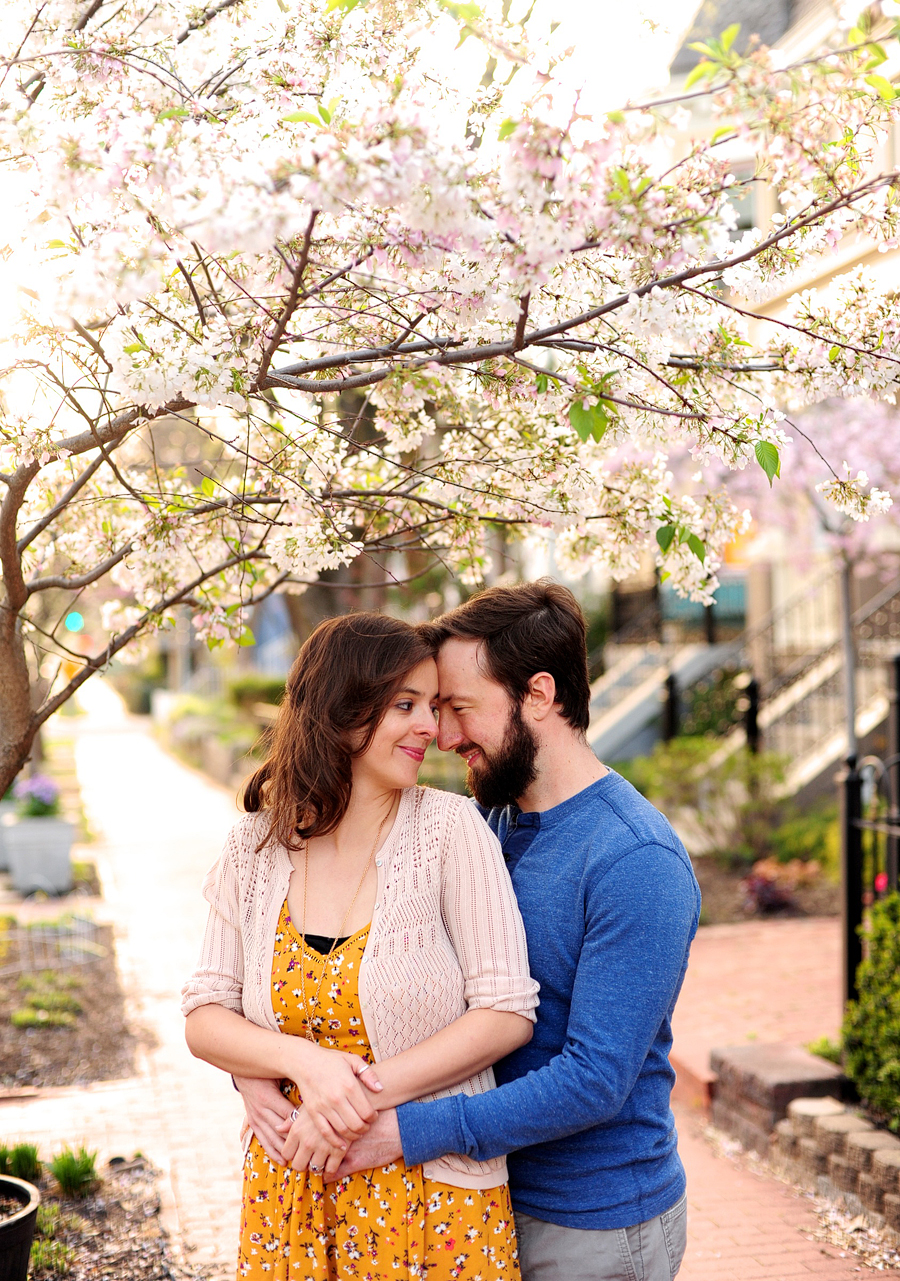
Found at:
(97, 1045)
(113, 1235)
(726, 899)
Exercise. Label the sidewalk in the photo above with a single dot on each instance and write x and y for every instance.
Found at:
(161, 825)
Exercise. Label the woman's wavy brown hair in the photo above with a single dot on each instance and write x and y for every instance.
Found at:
(337, 692)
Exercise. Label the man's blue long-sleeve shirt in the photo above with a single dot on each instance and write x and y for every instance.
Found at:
(610, 906)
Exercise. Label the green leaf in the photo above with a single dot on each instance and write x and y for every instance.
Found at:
(296, 117)
(721, 132)
(346, 5)
(697, 546)
(616, 117)
(877, 56)
(664, 536)
(589, 423)
(833, 354)
(729, 35)
(208, 487)
(543, 383)
(506, 129)
(703, 69)
(246, 638)
(882, 87)
(326, 112)
(133, 347)
(57, 244)
(768, 458)
(468, 12)
(173, 113)
(855, 36)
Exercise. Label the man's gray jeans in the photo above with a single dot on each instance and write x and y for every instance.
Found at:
(650, 1251)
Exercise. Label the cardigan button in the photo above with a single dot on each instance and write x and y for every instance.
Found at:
(378, 862)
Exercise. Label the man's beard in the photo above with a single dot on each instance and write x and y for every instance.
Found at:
(505, 775)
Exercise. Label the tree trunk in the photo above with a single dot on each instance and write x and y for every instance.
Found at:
(18, 723)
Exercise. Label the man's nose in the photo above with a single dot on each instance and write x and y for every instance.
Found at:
(449, 735)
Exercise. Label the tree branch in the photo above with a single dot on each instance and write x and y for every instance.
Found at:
(118, 643)
(81, 580)
(291, 302)
(205, 18)
(63, 503)
(519, 339)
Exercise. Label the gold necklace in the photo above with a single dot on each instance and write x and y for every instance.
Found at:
(308, 1010)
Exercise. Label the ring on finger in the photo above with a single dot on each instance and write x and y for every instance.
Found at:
(316, 1169)
(294, 1115)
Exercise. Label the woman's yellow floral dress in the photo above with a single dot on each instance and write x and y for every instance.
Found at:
(378, 1225)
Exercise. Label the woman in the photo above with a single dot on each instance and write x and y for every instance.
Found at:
(373, 922)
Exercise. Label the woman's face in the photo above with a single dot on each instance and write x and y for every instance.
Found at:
(397, 749)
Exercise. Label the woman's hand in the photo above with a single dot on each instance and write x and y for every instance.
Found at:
(333, 1087)
(305, 1149)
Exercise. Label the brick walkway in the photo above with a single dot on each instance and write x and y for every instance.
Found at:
(160, 827)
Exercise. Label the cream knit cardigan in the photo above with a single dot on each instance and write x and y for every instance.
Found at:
(446, 937)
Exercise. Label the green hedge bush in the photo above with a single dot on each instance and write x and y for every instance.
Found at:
(871, 1037)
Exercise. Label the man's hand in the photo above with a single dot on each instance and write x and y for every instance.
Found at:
(266, 1109)
(379, 1146)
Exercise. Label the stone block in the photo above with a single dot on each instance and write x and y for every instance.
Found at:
(811, 1157)
(804, 1112)
(841, 1173)
(891, 1210)
(832, 1131)
(886, 1168)
(871, 1193)
(784, 1138)
(738, 1127)
(859, 1147)
(763, 1118)
(770, 1076)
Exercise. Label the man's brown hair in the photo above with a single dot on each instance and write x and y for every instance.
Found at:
(534, 627)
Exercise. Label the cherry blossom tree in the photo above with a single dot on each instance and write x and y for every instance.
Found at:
(402, 302)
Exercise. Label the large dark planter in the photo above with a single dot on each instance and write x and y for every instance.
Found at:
(16, 1233)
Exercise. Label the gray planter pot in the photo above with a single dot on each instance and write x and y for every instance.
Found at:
(6, 807)
(39, 854)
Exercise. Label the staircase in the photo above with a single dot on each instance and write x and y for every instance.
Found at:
(796, 657)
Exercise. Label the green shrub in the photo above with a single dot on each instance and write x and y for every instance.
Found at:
(48, 980)
(871, 1034)
(50, 1258)
(255, 687)
(815, 834)
(75, 1172)
(825, 1048)
(56, 1002)
(28, 1017)
(22, 1162)
(51, 1220)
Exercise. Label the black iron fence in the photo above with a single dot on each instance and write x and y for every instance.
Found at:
(869, 792)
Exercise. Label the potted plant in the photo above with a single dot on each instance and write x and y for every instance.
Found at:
(39, 843)
(19, 1203)
(7, 806)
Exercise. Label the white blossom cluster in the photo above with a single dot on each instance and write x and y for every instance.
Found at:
(393, 300)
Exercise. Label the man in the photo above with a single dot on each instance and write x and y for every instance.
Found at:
(610, 906)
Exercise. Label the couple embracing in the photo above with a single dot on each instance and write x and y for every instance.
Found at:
(415, 1108)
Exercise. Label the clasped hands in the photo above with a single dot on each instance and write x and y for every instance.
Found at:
(336, 1089)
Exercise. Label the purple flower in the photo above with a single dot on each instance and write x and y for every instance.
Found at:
(39, 788)
(37, 796)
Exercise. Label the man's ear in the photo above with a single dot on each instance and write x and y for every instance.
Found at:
(541, 697)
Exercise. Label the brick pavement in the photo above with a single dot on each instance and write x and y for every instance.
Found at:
(161, 825)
